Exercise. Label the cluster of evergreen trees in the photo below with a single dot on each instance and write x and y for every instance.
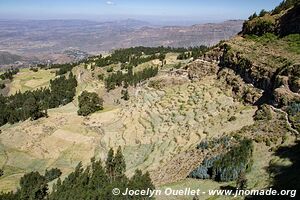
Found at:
(257, 25)
(95, 182)
(34, 104)
(124, 79)
(9, 74)
(193, 52)
(226, 167)
(262, 13)
(89, 102)
(33, 186)
(63, 68)
(285, 5)
(52, 174)
(136, 60)
(214, 143)
(134, 55)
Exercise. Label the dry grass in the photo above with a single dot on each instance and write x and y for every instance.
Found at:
(29, 80)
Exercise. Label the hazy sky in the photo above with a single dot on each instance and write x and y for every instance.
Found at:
(168, 10)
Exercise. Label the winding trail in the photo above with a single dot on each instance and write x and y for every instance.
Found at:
(287, 119)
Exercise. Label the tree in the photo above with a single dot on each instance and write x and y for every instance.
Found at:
(52, 174)
(33, 186)
(89, 103)
(253, 16)
(99, 178)
(140, 181)
(32, 109)
(110, 164)
(263, 12)
(161, 58)
(120, 165)
(93, 182)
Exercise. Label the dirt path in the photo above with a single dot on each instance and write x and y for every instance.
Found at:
(287, 119)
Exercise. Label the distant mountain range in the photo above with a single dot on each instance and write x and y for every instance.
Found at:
(45, 38)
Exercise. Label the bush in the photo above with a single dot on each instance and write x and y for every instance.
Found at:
(233, 118)
(101, 77)
(268, 142)
(263, 113)
(110, 69)
(258, 27)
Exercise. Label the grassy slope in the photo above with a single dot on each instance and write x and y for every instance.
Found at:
(64, 139)
(269, 51)
(29, 80)
(264, 156)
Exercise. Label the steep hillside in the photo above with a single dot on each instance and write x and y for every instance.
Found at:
(152, 126)
(266, 54)
(198, 117)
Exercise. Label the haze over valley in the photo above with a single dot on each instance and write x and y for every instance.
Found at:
(57, 40)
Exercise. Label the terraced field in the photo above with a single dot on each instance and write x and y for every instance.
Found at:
(30, 80)
(153, 127)
(156, 125)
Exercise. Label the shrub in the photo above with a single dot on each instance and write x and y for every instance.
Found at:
(233, 118)
(284, 5)
(110, 69)
(125, 95)
(2, 85)
(263, 113)
(268, 142)
(101, 77)
(258, 27)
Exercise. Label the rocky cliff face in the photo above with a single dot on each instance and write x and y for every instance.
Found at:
(283, 21)
(280, 84)
(265, 55)
(289, 23)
